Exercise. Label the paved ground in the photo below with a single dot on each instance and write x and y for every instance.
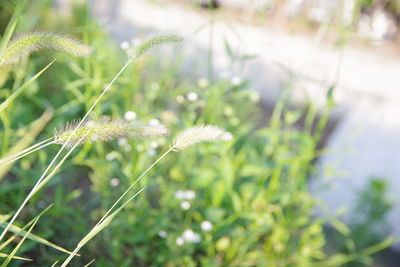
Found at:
(365, 143)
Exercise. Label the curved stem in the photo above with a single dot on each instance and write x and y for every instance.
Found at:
(26, 152)
(133, 184)
(79, 246)
(62, 148)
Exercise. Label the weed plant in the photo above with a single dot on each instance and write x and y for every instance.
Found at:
(239, 203)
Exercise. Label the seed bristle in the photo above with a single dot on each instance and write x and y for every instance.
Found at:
(199, 134)
(24, 44)
(105, 129)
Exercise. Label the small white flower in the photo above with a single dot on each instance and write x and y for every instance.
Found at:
(192, 96)
(154, 122)
(190, 236)
(127, 148)
(122, 141)
(124, 45)
(236, 80)
(196, 238)
(228, 111)
(179, 194)
(151, 152)
(154, 144)
(206, 226)
(114, 182)
(155, 86)
(254, 97)
(180, 241)
(185, 205)
(139, 148)
(190, 194)
(130, 115)
(202, 83)
(136, 42)
(162, 234)
(110, 156)
(180, 99)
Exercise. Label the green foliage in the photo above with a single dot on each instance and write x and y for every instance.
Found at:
(251, 192)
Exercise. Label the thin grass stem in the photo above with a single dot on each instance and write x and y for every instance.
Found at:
(26, 152)
(63, 147)
(134, 183)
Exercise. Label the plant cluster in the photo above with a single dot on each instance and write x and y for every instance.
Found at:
(243, 201)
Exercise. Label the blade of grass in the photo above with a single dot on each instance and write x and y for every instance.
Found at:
(3, 255)
(12, 254)
(141, 50)
(12, 25)
(98, 228)
(27, 151)
(21, 232)
(36, 128)
(2, 222)
(89, 263)
(17, 92)
(41, 182)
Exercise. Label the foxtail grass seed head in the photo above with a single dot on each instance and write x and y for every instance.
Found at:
(150, 129)
(155, 41)
(25, 44)
(105, 130)
(199, 134)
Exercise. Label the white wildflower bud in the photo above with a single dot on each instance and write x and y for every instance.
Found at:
(124, 45)
(202, 83)
(154, 122)
(190, 194)
(154, 144)
(114, 182)
(185, 205)
(199, 134)
(179, 194)
(192, 96)
(110, 156)
(122, 141)
(162, 234)
(190, 236)
(151, 152)
(180, 99)
(236, 80)
(180, 241)
(130, 115)
(206, 226)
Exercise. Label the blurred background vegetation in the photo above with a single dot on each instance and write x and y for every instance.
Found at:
(245, 203)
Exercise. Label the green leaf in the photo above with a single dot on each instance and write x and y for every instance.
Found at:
(23, 143)
(17, 92)
(12, 254)
(3, 255)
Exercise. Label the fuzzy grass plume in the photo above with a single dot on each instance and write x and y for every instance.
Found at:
(105, 130)
(25, 44)
(155, 41)
(199, 134)
(191, 136)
